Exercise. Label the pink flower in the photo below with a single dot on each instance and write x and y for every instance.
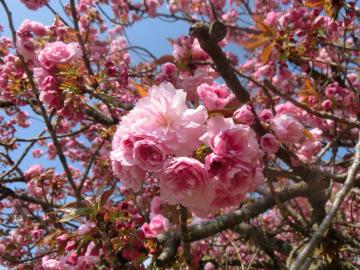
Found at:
(28, 26)
(151, 6)
(58, 52)
(155, 205)
(214, 96)
(266, 115)
(287, 129)
(190, 81)
(169, 69)
(197, 52)
(33, 188)
(223, 198)
(49, 83)
(149, 155)
(308, 150)
(50, 264)
(37, 153)
(209, 266)
(72, 259)
(158, 224)
(234, 175)
(34, 4)
(26, 48)
(87, 262)
(244, 115)
(130, 176)
(51, 98)
(269, 143)
(34, 171)
(62, 240)
(145, 151)
(51, 151)
(36, 234)
(227, 139)
(326, 104)
(165, 115)
(183, 180)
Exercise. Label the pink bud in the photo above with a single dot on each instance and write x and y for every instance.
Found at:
(70, 246)
(266, 115)
(269, 143)
(244, 115)
(326, 104)
(169, 69)
(72, 259)
(62, 239)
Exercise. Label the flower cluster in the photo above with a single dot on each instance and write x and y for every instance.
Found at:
(235, 162)
(126, 134)
(34, 4)
(160, 135)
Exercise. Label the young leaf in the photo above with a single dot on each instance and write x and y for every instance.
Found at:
(314, 4)
(106, 195)
(255, 41)
(142, 89)
(265, 54)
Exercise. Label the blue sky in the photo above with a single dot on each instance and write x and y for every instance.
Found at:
(150, 33)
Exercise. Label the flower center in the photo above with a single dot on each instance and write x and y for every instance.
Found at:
(163, 120)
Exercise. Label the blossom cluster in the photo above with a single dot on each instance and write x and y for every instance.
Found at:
(127, 135)
(161, 136)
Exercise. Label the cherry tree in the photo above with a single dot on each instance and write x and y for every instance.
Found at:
(239, 148)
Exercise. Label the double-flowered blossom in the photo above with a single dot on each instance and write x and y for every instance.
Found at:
(214, 96)
(235, 162)
(157, 225)
(269, 143)
(161, 133)
(186, 181)
(34, 4)
(164, 114)
(58, 52)
(161, 124)
(287, 129)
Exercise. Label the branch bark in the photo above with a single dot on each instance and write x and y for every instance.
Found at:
(325, 224)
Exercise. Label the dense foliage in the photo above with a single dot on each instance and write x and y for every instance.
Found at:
(239, 149)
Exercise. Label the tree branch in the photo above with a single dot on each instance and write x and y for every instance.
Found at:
(209, 43)
(325, 224)
(171, 240)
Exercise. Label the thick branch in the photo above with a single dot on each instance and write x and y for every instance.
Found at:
(209, 43)
(263, 240)
(171, 240)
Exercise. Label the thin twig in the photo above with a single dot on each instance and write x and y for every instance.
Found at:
(42, 108)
